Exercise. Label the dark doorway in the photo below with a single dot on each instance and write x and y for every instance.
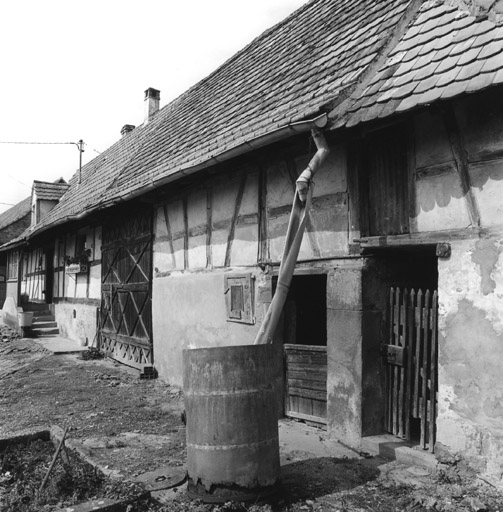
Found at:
(305, 313)
(305, 346)
(410, 349)
(49, 274)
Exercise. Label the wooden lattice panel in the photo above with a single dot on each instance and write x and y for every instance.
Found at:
(126, 289)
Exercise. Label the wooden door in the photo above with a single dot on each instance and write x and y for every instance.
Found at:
(411, 366)
(385, 186)
(126, 289)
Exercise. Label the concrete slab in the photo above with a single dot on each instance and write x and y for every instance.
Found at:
(298, 441)
(390, 447)
(60, 345)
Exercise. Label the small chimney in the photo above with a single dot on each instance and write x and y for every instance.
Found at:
(152, 100)
(126, 129)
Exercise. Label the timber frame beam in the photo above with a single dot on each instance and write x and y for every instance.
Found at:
(461, 158)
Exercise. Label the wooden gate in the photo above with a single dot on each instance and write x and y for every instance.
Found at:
(126, 290)
(411, 366)
(306, 382)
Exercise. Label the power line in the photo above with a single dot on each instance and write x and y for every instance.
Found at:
(47, 143)
(8, 204)
(12, 178)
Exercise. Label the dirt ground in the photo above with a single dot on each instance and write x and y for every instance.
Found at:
(130, 427)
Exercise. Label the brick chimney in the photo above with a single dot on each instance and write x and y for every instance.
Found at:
(127, 128)
(152, 100)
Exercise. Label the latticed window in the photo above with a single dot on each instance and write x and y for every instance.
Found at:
(12, 264)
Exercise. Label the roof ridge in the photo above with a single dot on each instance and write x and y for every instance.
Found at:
(409, 16)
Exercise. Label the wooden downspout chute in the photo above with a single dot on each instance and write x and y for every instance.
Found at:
(295, 231)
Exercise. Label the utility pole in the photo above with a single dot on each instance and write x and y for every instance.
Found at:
(80, 146)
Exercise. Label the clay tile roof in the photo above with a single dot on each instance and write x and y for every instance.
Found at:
(49, 191)
(15, 213)
(292, 72)
(445, 52)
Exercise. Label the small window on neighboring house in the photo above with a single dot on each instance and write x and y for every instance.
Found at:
(80, 245)
(239, 298)
(12, 264)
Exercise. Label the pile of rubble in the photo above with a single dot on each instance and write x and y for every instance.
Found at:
(7, 334)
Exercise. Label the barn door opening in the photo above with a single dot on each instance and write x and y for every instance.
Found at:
(410, 350)
(126, 289)
(305, 349)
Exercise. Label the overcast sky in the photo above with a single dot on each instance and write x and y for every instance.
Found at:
(78, 70)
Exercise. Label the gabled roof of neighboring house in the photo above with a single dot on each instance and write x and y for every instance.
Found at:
(17, 212)
(445, 52)
(49, 191)
(357, 59)
(20, 214)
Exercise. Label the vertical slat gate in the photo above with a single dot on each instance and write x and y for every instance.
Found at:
(411, 365)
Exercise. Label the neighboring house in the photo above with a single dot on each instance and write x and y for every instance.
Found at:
(13, 222)
(172, 237)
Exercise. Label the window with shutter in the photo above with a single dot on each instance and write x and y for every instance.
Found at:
(238, 292)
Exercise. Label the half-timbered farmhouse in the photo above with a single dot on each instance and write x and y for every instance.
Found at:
(172, 237)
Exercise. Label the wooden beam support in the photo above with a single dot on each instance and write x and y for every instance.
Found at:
(235, 216)
(186, 234)
(263, 240)
(461, 158)
(209, 229)
(169, 237)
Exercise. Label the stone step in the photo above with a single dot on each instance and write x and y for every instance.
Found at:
(44, 331)
(391, 447)
(37, 324)
(42, 314)
(35, 306)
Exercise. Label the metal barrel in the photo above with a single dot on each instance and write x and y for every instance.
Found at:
(232, 427)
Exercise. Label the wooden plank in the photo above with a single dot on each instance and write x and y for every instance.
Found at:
(417, 362)
(303, 375)
(410, 352)
(315, 358)
(403, 340)
(293, 401)
(387, 374)
(310, 368)
(320, 408)
(424, 369)
(289, 347)
(396, 374)
(308, 384)
(307, 417)
(308, 393)
(305, 405)
(432, 418)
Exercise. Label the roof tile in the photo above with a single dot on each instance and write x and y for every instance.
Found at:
(448, 53)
